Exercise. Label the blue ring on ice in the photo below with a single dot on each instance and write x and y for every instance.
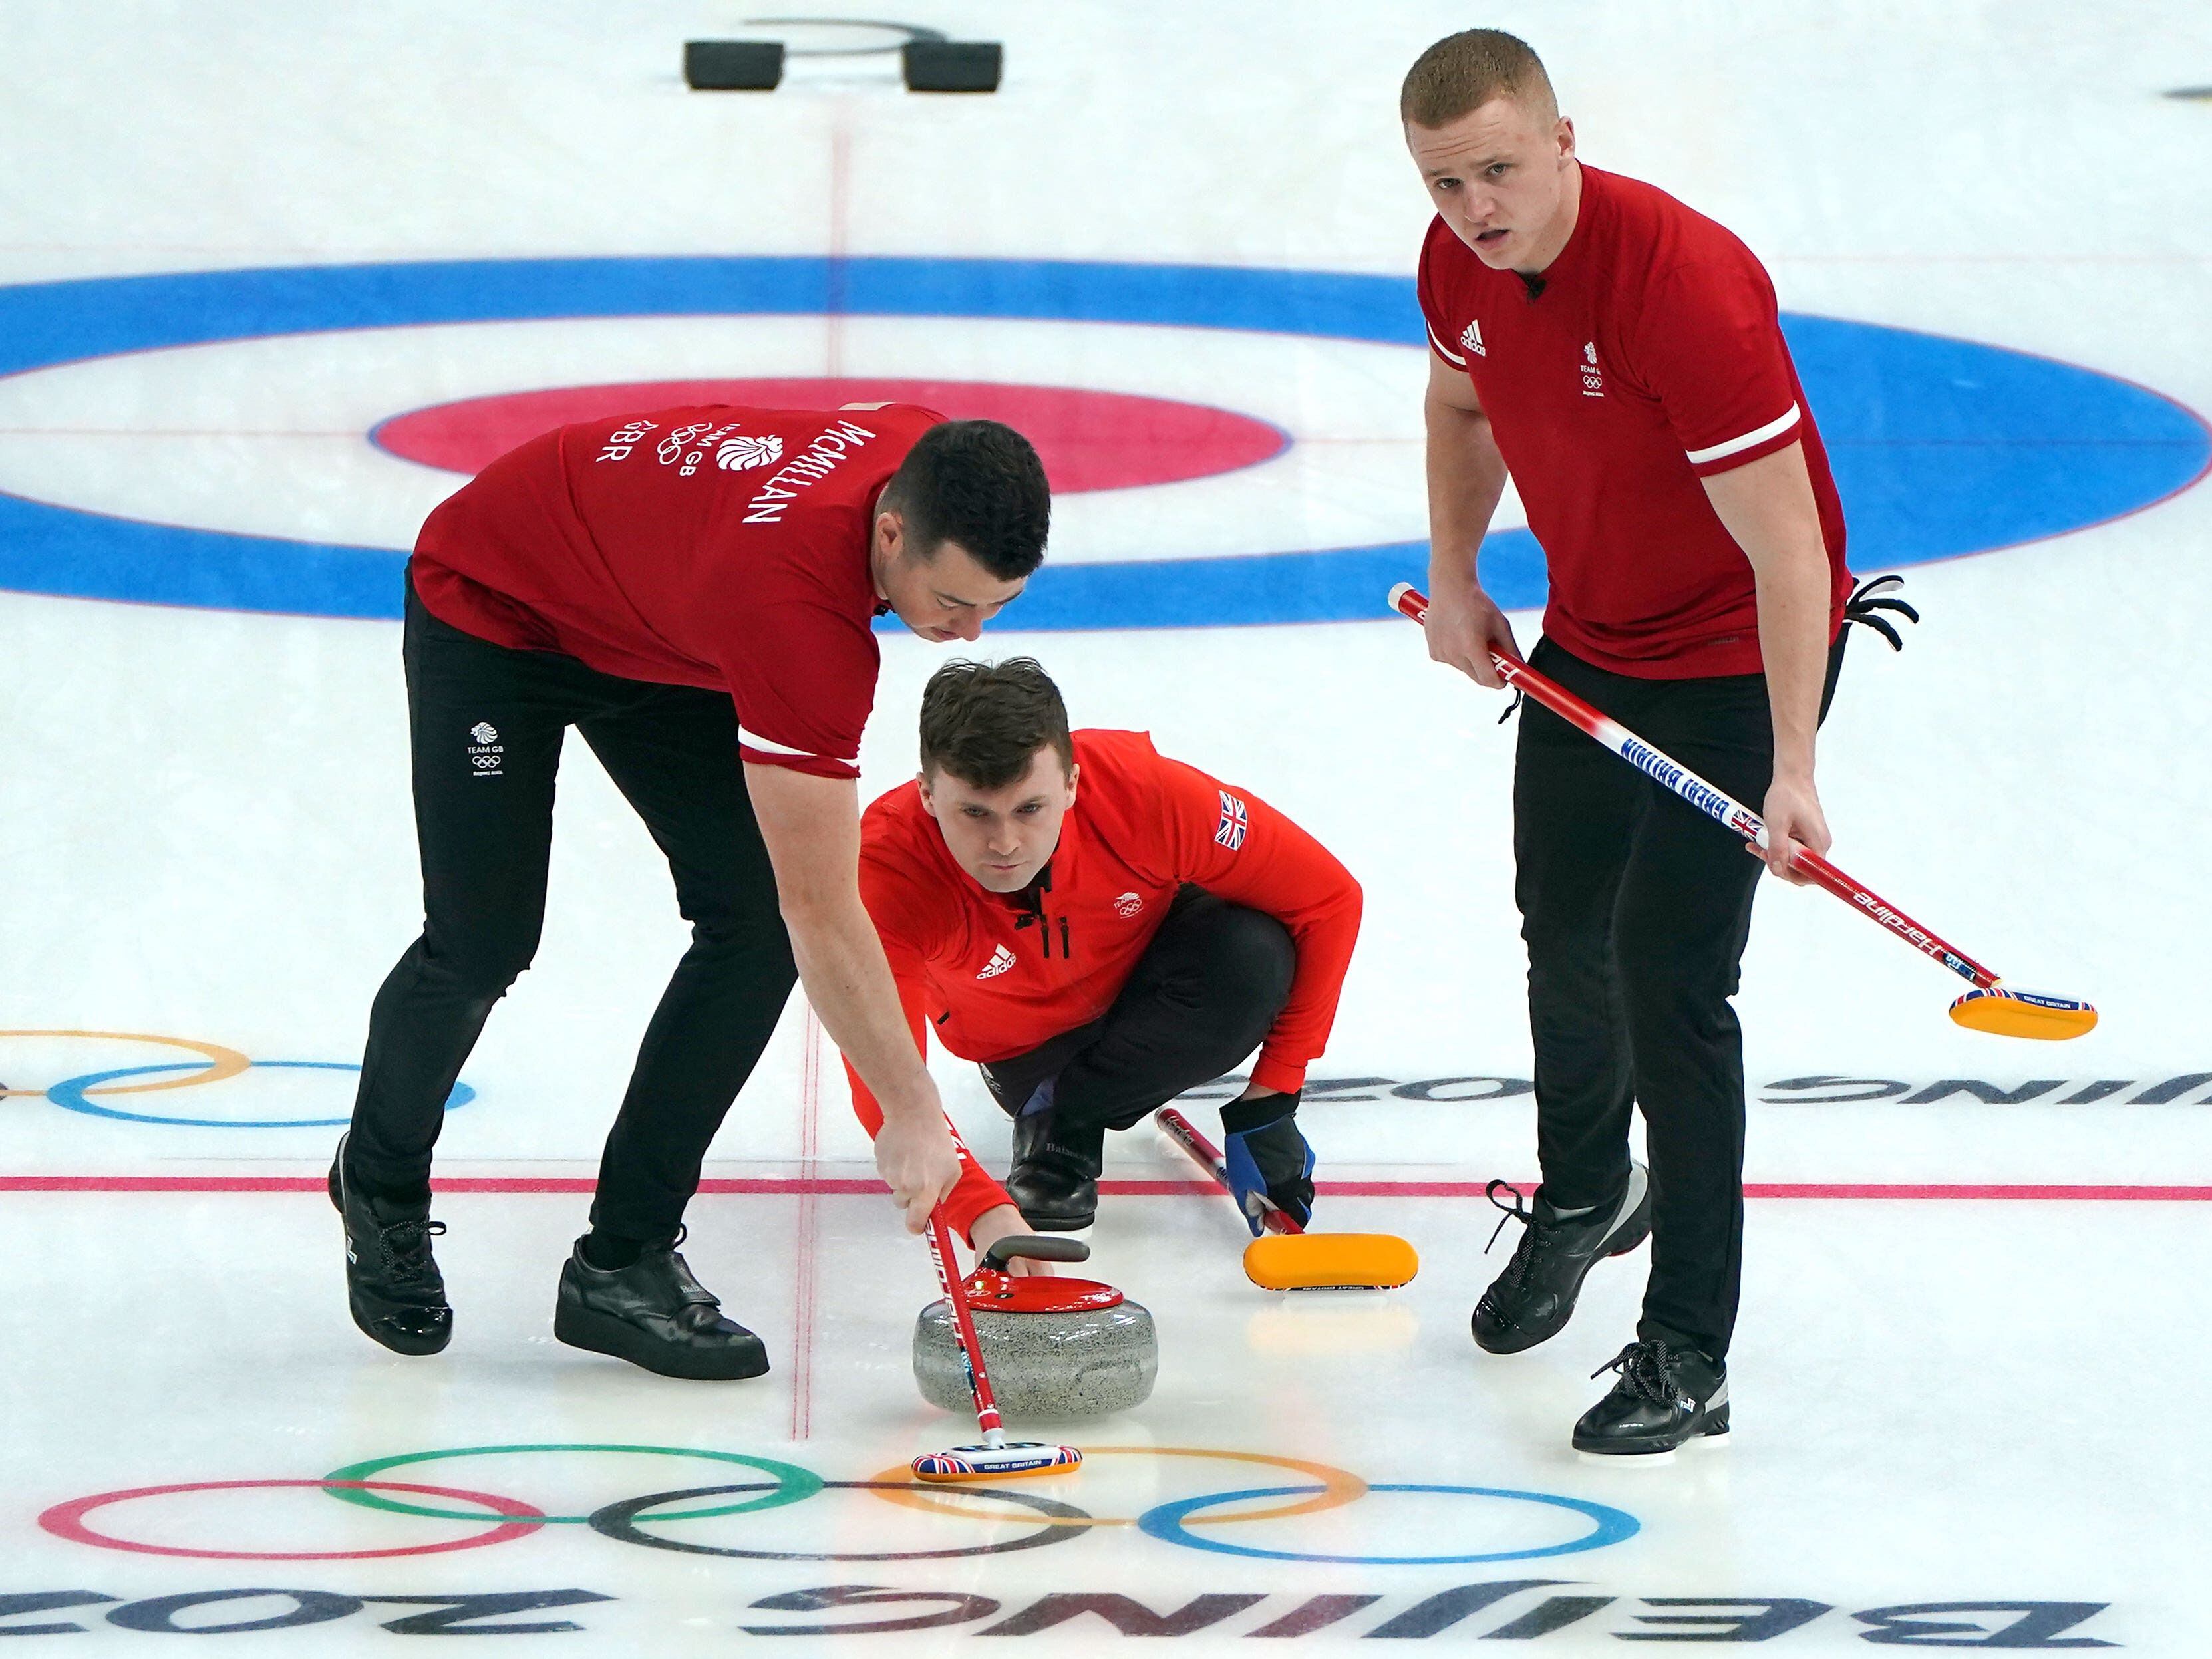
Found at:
(70, 1094)
(1610, 1527)
(1941, 447)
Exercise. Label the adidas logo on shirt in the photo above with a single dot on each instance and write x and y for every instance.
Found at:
(1001, 959)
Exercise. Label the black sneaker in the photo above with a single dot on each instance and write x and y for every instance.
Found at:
(1531, 1300)
(1665, 1397)
(653, 1313)
(393, 1287)
(1054, 1185)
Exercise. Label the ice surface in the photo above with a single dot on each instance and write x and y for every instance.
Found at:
(1939, 1399)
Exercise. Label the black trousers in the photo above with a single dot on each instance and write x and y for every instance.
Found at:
(486, 725)
(1635, 907)
(1201, 998)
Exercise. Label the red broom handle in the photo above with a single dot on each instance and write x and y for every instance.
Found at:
(1672, 775)
(972, 1350)
(1203, 1152)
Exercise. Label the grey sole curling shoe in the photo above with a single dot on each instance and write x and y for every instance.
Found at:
(1533, 1299)
(1666, 1398)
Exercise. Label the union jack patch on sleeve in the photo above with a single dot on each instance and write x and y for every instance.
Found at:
(1235, 822)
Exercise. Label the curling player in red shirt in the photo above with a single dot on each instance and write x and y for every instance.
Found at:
(1102, 928)
(1623, 356)
(693, 590)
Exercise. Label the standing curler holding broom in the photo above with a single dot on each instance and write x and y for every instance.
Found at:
(1623, 356)
(693, 589)
(1103, 929)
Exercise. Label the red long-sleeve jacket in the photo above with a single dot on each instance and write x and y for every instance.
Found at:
(994, 978)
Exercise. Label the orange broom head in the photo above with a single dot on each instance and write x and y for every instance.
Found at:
(2004, 1011)
(1330, 1262)
(1011, 1462)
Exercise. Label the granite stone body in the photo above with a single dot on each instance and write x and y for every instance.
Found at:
(1077, 1363)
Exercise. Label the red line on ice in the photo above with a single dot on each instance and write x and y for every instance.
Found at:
(834, 1186)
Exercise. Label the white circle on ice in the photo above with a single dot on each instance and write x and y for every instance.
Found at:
(268, 436)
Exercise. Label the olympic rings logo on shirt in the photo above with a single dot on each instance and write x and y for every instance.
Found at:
(214, 1064)
(643, 1521)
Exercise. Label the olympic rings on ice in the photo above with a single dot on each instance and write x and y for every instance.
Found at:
(619, 1521)
(1611, 1525)
(352, 1483)
(67, 1521)
(81, 1094)
(1339, 1487)
(222, 1062)
(626, 1520)
(72, 1093)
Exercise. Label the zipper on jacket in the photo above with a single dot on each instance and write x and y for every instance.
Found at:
(1036, 914)
(1043, 924)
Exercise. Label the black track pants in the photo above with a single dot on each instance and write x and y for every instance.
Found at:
(1635, 907)
(483, 817)
(1201, 998)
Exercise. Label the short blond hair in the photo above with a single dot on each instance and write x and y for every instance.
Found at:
(1462, 72)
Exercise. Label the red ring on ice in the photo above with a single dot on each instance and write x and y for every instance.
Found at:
(67, 1521)
(1088, 439)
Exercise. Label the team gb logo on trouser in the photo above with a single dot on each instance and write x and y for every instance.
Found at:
(487, 752)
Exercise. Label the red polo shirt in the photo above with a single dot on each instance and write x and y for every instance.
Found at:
(996, 974)
(1648, 357)
(716, 546)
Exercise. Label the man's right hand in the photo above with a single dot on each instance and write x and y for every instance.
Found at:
(916, 1159)
(1464, 627)
(1005, 1221)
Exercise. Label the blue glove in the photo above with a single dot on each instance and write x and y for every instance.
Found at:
(1269, 1162)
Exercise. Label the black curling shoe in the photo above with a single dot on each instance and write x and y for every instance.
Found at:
(653, 1313)
(1532, 1300)
(1665, 1397)
(393, 1287)
(1055, 1187)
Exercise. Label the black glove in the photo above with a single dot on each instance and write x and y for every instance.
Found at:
(1872, 597)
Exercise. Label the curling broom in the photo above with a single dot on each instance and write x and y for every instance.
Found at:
(1290, 1258)
(997, 1458)
(1992, 1005)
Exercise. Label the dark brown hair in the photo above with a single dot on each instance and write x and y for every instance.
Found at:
(983, 721)
(1462, 72)
(979, 484)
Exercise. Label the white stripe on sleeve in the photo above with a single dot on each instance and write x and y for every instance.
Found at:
(1446, 352)
(754, 740)
(1737, 445)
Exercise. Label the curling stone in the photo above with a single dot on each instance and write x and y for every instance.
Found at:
(1052, 1347)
